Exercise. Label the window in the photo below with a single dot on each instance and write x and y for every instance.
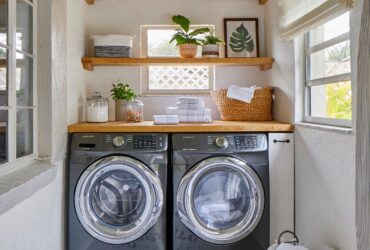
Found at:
(17, 79)
(328, 73)
(171, 79)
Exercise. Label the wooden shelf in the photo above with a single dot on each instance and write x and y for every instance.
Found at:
(149, 127)
(91, 2)
(264, 63)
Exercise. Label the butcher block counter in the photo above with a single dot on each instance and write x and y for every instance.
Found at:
(149, 127)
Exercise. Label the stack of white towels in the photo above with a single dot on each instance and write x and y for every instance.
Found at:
(188, 109)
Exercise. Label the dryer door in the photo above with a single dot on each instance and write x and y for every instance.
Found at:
(221, 200)
(118, 199)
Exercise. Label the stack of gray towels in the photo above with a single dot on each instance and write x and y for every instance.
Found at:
(187, 110)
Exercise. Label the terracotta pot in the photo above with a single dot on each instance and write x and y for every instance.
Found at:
(210, 50)
(188, 50)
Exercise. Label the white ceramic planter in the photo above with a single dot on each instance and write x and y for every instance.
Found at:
(211, 50)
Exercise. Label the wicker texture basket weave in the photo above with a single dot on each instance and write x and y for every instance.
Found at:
(260, 108)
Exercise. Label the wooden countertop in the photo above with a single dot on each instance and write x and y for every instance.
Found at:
(215, 126)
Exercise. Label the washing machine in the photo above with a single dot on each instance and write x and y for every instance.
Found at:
(221, 192)
(117, 191)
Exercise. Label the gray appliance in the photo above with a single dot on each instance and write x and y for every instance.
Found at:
(221, 192)
(117, 191)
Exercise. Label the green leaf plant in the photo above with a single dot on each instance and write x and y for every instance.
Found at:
(241, 40)
(210, 39)
(121, 91)
(184, 35)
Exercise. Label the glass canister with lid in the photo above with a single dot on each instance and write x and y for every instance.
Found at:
(97, 108)
(135, 111)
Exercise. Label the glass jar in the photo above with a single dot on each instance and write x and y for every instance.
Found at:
(135, 111)
(97, 108)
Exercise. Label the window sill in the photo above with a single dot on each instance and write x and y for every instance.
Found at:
(341, 130)
(18, 185)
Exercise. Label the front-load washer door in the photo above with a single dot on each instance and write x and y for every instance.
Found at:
(221, 200)
(118, 199)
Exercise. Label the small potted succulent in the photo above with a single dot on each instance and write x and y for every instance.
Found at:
(187, 40)
(127, 107)
(211, 46)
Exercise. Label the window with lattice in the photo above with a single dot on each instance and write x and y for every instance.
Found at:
(171, 79)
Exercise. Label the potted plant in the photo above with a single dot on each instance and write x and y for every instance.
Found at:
(187, 40)
(211, 46)
(127, 107)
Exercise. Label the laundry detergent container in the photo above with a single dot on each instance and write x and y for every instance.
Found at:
(113, 45)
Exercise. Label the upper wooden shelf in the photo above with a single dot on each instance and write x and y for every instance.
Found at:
(264, 63)
(90, 2)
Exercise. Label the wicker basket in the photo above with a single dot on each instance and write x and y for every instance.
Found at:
(260, 108)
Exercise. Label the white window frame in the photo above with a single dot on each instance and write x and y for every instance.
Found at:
(144, 70)
(12, 100)
(322, 81)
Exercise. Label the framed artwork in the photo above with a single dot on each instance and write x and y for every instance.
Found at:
(241, 37)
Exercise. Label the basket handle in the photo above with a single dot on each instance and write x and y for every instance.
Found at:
(294, 241)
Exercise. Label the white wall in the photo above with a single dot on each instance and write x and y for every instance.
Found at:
(76, 49)
(325, 187)
(35, 223)
(125, 17)
(38, 222)
(281, 76)
(324, 160)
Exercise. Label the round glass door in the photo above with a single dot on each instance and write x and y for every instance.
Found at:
(118, 199)
(221, 200)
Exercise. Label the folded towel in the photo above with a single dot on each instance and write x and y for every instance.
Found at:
(192, 106)
(204, 119)
(165, 119)
(188, 112)
(190, 100)
(241, 93)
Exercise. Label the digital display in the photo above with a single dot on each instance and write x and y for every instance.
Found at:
(145, 142)
(246, 142)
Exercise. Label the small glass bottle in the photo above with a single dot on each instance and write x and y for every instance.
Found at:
(135, 111)
(97, 108)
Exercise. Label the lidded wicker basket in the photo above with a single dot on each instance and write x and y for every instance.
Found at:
(260, 108)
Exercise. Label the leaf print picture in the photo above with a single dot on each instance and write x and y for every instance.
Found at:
(241, 36)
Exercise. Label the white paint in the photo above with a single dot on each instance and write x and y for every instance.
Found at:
(325, 187)
(324, 160)
(281, 166)
(76, 49)
(281, 76)
(35, 223)
(125, 17)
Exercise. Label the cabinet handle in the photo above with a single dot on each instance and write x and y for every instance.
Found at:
(283, 141)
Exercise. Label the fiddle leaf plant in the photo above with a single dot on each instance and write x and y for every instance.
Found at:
(241, 40)
(184, 35)
(121, 91)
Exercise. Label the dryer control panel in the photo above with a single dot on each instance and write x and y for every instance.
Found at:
(220, 142)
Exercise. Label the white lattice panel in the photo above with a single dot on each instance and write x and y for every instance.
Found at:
(177, 78)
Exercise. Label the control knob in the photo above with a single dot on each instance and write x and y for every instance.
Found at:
(221, 142)
(118, 141)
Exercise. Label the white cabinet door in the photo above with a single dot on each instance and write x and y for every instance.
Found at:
(281, 162)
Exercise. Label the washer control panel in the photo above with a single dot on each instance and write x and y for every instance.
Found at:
(121, 142)
(220, 143)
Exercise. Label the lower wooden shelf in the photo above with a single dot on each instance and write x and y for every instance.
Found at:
(264, 63)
